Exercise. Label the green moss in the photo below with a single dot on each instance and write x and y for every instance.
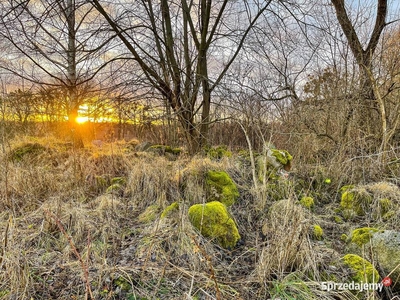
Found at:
(385, 206)
(213, 221)
(355, 201)
(346, 187)
(4, 293)
(162, 149)
(170, 209)
(344, 237)
(150, 214)
(123, 284)
(338, 220)
(101, 182)
(363, 235)
(307, 202)
(116, 187)
(363, 270)
(118, 180)
(217, 152)
(318, 232)
(28, 149)
(221, 187)
(388, 215)
(245, 154)
(267, 169)
(282, 156)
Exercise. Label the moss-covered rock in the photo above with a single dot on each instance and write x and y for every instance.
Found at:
(355, 202)
(385, 208)
(221, 187)
(213, 221)
(344, 237)
(169, 210)
(217, 152)
(376, 201)
(26, 150)
(162, 149)
(362, 270)
(318, 232)
(362, 236)
(385, 246)
(283, 157)
(307, 202)
(269, 165)
(338, 220)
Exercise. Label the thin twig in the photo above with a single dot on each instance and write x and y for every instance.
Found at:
(212, 273)
(75, 251)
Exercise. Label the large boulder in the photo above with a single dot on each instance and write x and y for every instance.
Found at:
(213, 221)
(383, 247)
(386, 248)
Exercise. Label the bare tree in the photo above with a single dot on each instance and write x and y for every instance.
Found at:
(178, 43)
(364, 55)
(54, 45)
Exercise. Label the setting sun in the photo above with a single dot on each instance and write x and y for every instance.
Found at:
(81, 120)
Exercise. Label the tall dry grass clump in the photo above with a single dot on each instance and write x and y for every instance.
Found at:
(287, 229)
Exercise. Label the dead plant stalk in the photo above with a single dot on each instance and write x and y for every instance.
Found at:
(84, 266)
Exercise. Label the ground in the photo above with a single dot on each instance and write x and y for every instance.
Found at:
(108, 222)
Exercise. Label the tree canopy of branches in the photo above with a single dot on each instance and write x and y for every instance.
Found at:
(52, 44)
(184, 49)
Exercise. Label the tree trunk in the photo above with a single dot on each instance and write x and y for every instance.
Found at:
(371, 110)
(71, 72)
(74, 129)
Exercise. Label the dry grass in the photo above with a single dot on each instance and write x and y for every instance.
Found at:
(66, 235)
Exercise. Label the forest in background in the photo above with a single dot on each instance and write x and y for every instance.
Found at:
(325, 72)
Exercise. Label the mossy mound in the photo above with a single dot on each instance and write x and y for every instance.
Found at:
(307, 202)
(283, 157)
(169, 210)
(362, 270)
(379, 201)
(213, 221)
(162, 149)
(149, 214)
(217, 152)
(221, 187)
(362, 236)
(355, 202)
(318, 232)
(27, 150)
(269, 165)
(117, 185)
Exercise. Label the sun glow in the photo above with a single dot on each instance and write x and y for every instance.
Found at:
(81, 120)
